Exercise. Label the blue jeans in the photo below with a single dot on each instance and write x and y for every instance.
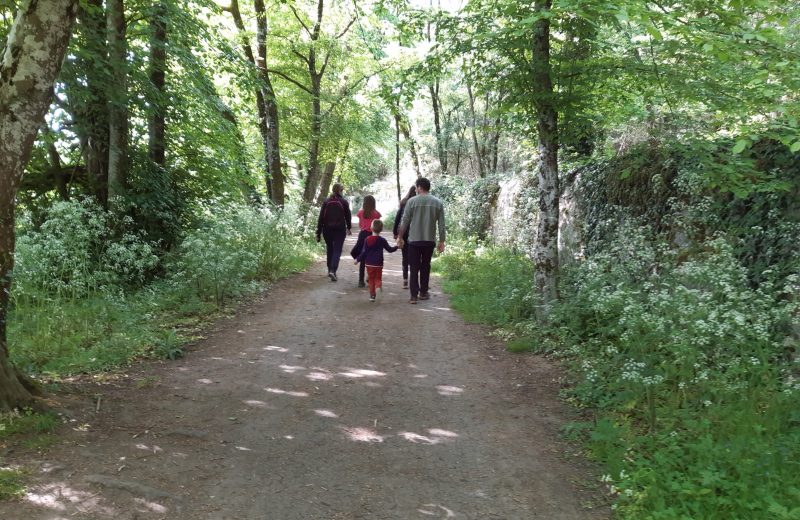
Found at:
(334, 242)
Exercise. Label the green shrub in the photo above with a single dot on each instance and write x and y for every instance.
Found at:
(488, 285)
(236, 245)
(76, 251)
(81, 325)
(682, 360)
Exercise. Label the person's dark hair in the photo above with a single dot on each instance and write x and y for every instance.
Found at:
(337, 189)
(412, 191)
(377, 226)
(369, 206)
(423, 183)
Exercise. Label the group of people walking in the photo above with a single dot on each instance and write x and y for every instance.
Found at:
(418, 219)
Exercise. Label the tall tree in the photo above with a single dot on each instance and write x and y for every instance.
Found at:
(118, 100)
(88, 97)
(31, 59)
(157, 130)
(275, 178)
(266, 101)
(546, 246)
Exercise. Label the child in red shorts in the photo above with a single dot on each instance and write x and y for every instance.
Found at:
(372, 256)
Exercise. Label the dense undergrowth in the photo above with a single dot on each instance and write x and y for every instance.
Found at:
(91, 294)
(681, 339)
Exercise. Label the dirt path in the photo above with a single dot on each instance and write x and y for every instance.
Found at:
(316, 404)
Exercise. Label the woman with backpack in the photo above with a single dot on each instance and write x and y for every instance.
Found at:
(333, 224)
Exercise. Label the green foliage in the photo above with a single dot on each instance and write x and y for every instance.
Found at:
(77, 250)
(98, 327)
(12, 483)
(27, 422)
(235, 245)
(489, 285)
(683, 362)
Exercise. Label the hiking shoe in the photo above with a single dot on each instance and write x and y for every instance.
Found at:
(332, 276)
(424, 296)
(413, 300)
(372, 298)
(405, 284)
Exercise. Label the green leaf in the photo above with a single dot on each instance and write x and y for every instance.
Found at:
(740, 145)
(795, 147)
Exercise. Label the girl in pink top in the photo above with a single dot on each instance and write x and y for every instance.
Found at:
(366, 215)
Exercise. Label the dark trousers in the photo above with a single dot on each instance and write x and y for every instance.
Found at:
(419, 260)
(362, 236)
(334, 242)
(404, 250)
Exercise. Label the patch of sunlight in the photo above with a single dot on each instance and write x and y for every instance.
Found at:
(276, 349)
(449, 390)
(326, 413)
(319, 376)
(57, 495)
(436, 510)
(288, 437)
(360, 372)
(442, 433)
(145, 447)
(421, 376)
(362, 434)
(254, 402)
(217, 358)
(412, 365)
(151, 506)
(330, 346)
(372, 384)
(205, 381)
(417, 438)
(242, 448)
(286, 392)
(443, 308)
(291, 369)
(426, 310)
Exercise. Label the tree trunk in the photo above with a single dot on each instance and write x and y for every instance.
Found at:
(274, 174)
(397, 155)
(30, 63)
(118, 100)
(405, 127)
(475, 147)
(92, 107)
(546, 246)
(312, 179)
(157, 128)
(327, 180)
(441, 149)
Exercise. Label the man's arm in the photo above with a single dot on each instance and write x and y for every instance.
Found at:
(442, 234)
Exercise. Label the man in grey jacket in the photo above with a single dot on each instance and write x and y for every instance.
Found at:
(422, 216)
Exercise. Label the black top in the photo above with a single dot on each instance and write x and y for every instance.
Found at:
(397, 219)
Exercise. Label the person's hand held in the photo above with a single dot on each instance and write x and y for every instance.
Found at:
(441, 247)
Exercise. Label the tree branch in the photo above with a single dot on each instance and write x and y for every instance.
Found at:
(349, 25)
(297, 16)
(290, 80)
